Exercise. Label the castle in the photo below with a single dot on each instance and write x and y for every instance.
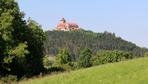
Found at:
(66, 26)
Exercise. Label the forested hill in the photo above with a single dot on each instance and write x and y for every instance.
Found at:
(76, 40)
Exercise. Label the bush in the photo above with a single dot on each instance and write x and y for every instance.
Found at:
(55, 69)
(63, 57)
(67, 67)
(47, 63)
(9, 79)
(146, 54)
(106, 56)
(84, 58)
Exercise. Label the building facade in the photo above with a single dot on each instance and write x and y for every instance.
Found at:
(66, 26)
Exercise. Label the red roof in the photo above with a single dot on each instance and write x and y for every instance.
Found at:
(72, 25)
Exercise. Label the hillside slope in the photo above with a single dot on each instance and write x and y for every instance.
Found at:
(77, 40)
(126, 72)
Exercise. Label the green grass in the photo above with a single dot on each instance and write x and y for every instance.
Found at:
(126, 72)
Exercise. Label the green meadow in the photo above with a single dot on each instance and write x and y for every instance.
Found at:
(125, 72)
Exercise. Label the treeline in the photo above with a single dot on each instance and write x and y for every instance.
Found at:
(86, 58)
(64, 61)
(77, 40)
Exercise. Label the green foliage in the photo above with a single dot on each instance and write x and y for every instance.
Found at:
(35, 39)
(63, 56)
(64, 60)
(76, 40)
(47, 63)
(146, 54)
(106, 56)
(21, 42)
(84, 58)
(12, 48)
(130, 72)
(20, 51)
(67, 67)
(9, 79)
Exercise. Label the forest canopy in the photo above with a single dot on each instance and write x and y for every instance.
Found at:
(77, 40)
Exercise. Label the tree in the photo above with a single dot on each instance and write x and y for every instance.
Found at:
(35, 38)
(84, 58)
(76, 40)
(63, 56)
(13, 49)
(21, 42)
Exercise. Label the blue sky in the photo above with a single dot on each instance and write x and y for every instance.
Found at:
(127, 18)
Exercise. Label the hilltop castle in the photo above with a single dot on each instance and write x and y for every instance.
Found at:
(66, 26)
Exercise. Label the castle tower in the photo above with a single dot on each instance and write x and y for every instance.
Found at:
(63, 20)
(62, 25)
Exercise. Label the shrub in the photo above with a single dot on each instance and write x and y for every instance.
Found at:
(84, 58)
(146, 54)
(9, 79)
(47, 63)
(63, 57)
(106, 56)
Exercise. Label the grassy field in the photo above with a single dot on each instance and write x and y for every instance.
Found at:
(126, 72)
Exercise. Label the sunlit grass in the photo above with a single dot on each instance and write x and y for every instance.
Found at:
(126, 72)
